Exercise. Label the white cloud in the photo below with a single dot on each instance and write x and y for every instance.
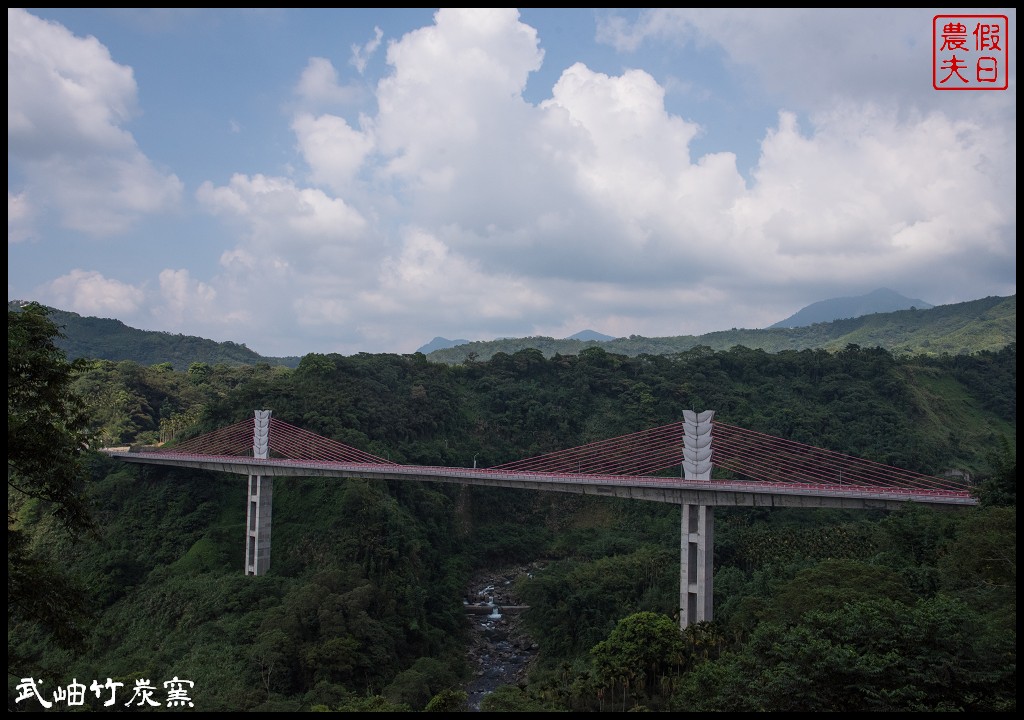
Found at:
(362, 54)
(866, 197)
(334, 151)
(590, 205)
(187, 303)
(89, 293)
(635, 164)
(295, 248)
(277, 218)
(425, 273)
(66, 103)
(318, 85)
(64, 92)
(456, 86)
(454, 206)
(426, 285)
(810, 57)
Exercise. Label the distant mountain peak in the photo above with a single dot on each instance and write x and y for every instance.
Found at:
(882, 300)
(440, 343)
(590, 335)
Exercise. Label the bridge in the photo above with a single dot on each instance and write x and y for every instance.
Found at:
(672, 464)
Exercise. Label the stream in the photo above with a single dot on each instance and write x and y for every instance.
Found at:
(500, 649)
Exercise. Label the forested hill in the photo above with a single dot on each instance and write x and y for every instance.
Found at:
(107, 339)
(957, 329)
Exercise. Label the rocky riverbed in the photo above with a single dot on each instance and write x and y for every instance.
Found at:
(500, 648)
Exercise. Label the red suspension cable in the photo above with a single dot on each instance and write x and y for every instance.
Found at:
(752, 455)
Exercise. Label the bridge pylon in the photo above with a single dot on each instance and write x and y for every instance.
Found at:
(259, 503)
(697, 526)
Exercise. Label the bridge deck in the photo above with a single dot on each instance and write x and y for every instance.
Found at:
(656, 489)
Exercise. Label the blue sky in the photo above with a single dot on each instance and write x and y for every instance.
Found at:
(363, 180)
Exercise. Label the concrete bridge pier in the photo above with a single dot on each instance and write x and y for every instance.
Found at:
(697, 526)
(696, 564)
(260, 496)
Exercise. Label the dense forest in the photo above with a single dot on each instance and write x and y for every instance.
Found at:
(126, 573)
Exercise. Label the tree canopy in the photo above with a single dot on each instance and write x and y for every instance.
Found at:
(47, 424)
(47, 439)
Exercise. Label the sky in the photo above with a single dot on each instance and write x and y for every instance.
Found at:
(364, 180)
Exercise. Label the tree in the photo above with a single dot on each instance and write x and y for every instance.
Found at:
(511, 698)
(47, 427)
(47, 439)
(871, 655)
(1001, 488)
(642, 649)
(449, 700)
(831, 584)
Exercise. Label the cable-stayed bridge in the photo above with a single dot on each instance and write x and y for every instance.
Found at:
(672, 463)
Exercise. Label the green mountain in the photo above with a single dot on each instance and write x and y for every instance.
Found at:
(957, 329)
(107, 339)
(439, 343)
(882, 300)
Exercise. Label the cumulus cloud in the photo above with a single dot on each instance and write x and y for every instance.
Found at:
(635, 169)
(871, 177)
(865, 197)
(334, 151)
(89, 293)
(185, 302)
(426, 284)
(67, 104)
(426, 272)
(455, 206)
(590, 205)
(810, 57)
(278, 218)
(295, 246)
(318, 85)
(455, 87)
